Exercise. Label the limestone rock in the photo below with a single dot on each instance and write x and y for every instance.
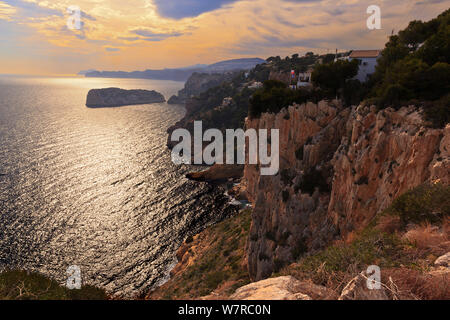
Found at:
(316, 292)
(443, 261)
(357, 289)
(440, 167)
(282, 288)
(339, 167)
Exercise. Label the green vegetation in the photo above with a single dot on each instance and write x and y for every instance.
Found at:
(299, 64)
(311, 180)
(428, 203)
(299, 249)
(22, 285)
(299, 153)
(414, 67)
(285, 195)
(333, 76)
(370, 247)
(275, 95)
(218, 261)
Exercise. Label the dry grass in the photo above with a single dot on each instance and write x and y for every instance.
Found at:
(446, 226)
(429, 238)
(334, 281)
(413, 284)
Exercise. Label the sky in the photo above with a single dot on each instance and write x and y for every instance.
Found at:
(155, 34)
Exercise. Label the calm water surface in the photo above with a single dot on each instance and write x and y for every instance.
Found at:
(94, 187)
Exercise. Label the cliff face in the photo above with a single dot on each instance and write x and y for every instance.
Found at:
(386, 154)
(338, 169)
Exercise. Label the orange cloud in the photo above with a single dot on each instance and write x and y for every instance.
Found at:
(139, 38)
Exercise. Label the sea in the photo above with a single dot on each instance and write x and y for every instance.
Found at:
(95, 188)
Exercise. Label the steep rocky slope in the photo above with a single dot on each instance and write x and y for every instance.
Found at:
(339, 167)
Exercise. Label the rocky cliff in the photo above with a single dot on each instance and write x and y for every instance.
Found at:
(339, 167)
(115, 97)
(199, 83)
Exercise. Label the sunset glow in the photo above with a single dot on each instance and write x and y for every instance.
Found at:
(143, 34)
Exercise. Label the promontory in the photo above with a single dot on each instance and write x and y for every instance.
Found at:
(115, 97)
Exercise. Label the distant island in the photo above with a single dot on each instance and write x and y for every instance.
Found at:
(180, 74)
(115, 97)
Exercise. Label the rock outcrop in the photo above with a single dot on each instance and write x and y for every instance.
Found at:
(176, 100)
(384, 154)
(357, 289)
(199, 83)
(282, 288)
(339, 167)
(115, 97)
(218, 173)
(443, 261)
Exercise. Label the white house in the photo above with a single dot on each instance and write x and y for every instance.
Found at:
(304, 78)
(255, 85)
(368, 60)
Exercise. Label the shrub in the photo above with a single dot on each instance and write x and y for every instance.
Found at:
(438, 112)
(333, 76)
(22, 285)
(275, 95)
(369, 247)
(189, 239)
(299, 249)
(278, 264)
(286, 177)
(284, 237)
(394, 95)
(426, 203)
(285, 195)
(214, 279)
(311, 180)
(354, 92)
(414, 68)
(270, 236)
(299, 153)
(362, 180)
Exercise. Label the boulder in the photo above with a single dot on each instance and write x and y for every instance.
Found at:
(443, 261)
(357, 289)
(282, 288)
